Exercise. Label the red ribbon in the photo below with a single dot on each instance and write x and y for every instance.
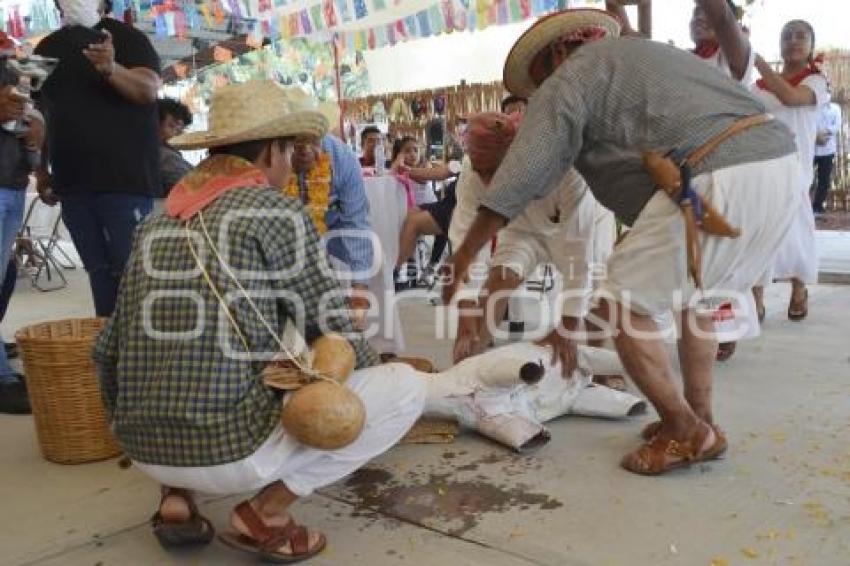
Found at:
(409, 188)
(584, 34)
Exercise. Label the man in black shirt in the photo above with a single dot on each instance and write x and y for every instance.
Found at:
(102, 134)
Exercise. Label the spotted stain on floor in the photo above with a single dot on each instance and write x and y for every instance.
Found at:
(441, 500)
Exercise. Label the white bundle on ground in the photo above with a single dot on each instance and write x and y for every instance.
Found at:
(508, 393)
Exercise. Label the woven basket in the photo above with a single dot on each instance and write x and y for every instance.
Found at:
(64, 392)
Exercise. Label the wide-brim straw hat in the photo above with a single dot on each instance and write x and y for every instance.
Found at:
(331, 111)
(547, 30)
(256, 110)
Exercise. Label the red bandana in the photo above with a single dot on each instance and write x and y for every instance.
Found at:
(812, 69)
(212, 178)
(584, 35)
(706, 49)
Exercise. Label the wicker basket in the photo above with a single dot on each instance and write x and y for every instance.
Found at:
(64, 391)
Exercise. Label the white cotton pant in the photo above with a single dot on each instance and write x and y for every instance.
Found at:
(648, 270)
(577, 245)
(394, 396)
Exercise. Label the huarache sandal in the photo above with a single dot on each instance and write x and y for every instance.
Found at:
(265, 542)
(196, 530)
(651, 430)
(652, 458)
(725, 350)
(799, 309)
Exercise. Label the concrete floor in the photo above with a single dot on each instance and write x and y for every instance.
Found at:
(782, 496)
(834, 250)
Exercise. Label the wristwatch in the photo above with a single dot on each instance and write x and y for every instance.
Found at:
(454, 166)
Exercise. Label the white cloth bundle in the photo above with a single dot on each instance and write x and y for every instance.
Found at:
(487, 392)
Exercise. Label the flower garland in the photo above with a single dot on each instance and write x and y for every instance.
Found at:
(317, 199)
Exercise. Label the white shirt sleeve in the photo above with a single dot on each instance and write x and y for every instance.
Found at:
(749, 75)
(835, 114)
(818, 85)
(578, 243)
(470, 188)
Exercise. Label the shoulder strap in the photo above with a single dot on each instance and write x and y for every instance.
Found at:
(736, 128)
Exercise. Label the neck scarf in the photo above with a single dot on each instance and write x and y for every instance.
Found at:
(812, 69)
(706, 49)
(409, 187)
(212, 178)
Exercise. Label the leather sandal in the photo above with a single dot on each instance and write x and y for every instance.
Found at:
(264, 541)
(651, 458)
(798, 310)
(196, 530)
(651, 430)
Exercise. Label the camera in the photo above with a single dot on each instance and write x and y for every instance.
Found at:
(32, 72)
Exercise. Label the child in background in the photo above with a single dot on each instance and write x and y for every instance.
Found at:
(407, 155)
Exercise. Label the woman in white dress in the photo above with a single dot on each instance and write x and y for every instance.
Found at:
(795, 96)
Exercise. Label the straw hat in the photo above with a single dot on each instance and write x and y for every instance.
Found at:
(330, 110)
(256, 110)
(554, 27)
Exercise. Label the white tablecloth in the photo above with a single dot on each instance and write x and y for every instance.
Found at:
(387, 210)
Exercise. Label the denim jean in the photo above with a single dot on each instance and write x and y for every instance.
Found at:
(8, 287)
(12, 203)
(102, 226)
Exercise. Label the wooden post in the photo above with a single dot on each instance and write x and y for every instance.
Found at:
(338, 79)
(645, 18)
(644, 14)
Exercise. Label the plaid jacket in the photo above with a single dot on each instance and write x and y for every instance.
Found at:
(174, 374)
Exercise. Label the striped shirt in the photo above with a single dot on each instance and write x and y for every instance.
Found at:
(174, 378)
(614, 99)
